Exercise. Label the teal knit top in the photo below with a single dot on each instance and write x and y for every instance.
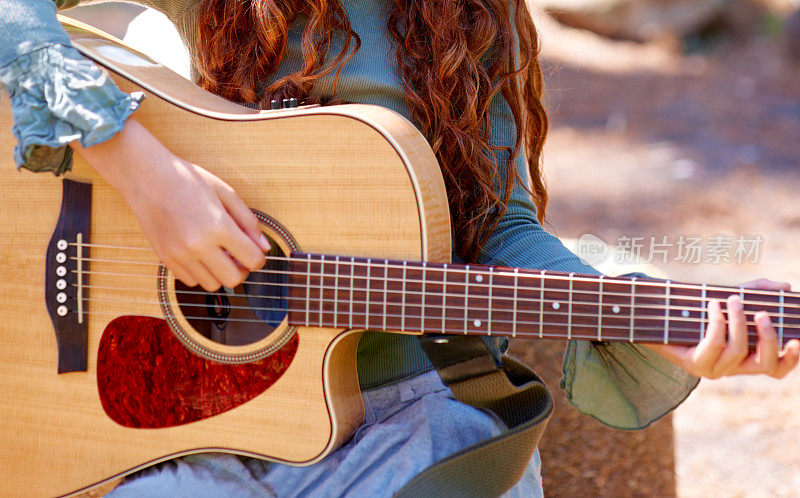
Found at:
(57, 97)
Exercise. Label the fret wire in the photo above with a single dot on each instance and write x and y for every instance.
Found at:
(752, 337)
(693, 308)
(633, 294)
(321, 278)
(297, 255)
(369, 284)
(703, 314)
(403, 301)
(322, 286)
(649, 283)
(489, 314)
(541, 305)
(688, 321)
(514, 326)
(466, 300)
(257, 308)
(569, 310)
(511, 287)
(666, 317)
(526, 300)
(308, 292)
(422, 297)
(600, 310)
(336, 292)
(385, 288)
(780, 322)
(444, 297)
(352, 285)
(589, 278)
(621, 282)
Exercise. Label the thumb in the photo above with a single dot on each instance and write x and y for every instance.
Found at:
(244, 217)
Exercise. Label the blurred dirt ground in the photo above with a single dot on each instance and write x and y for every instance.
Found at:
(648, 142)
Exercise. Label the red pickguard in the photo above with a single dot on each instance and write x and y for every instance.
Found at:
(148, 379)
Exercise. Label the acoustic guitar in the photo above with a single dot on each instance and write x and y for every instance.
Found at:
(109, 364)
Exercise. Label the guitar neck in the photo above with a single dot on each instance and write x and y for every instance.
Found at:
(403, 296)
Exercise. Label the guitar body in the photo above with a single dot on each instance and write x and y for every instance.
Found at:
(353, 179)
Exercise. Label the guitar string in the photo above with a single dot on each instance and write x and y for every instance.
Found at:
(365, 313)
(640, 306)
(620, 316)
(727, 290)
(390, 264)
(434, 295)
(752, 338)
(608, 280)
(659, 318)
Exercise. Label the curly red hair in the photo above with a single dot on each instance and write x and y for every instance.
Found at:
(454, 57)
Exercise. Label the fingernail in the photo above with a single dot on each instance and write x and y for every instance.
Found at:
(763, 319)
(735, 303)
(264, 243)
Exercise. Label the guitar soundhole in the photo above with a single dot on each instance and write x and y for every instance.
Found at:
(245, 314)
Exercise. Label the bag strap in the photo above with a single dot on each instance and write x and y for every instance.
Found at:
(512, 392)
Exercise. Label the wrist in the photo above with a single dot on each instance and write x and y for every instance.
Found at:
(125, 160)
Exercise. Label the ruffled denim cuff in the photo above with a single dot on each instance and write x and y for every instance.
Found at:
(58, 96)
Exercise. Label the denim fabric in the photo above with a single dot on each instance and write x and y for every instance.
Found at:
(409, 425)
(58, 96)
(28, 25)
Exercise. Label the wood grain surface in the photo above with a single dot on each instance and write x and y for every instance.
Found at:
(349, 180)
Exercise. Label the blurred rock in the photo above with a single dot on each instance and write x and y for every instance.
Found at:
(793, 36)
(650, 20)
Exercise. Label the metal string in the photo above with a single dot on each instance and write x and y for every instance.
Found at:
(365, 313)
(432, 295)
(460, 330)
(449, 269)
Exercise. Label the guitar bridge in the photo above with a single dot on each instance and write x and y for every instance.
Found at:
(65, 267)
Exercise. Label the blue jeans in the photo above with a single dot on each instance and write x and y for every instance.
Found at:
(409, 425)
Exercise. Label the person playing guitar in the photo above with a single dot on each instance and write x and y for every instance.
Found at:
(467, 74)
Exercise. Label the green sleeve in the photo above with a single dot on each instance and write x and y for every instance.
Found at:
(623, 385)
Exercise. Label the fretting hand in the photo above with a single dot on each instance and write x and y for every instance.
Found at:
(720, 354)
(197, 225)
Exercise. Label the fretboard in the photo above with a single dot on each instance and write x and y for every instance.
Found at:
(403, 296)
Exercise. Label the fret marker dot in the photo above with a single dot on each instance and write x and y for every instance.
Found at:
(477, 323)
(685, 313)
(556, 306)
(615, 309)
(479, 278)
